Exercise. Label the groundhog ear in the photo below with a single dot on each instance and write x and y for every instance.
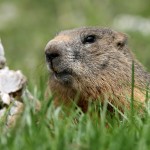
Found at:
(120, 40)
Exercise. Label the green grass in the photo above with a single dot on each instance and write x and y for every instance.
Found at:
(24, 38)
(69, 128)
(57, 129)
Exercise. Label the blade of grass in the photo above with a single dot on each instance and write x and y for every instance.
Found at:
(132, 90)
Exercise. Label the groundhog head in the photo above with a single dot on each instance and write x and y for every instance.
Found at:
(90, 61)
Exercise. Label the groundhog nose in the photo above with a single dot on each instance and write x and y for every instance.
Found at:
(52, 51)
(51, 56)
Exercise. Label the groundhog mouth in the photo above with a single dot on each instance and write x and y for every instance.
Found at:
(60, 73)
(64, 77)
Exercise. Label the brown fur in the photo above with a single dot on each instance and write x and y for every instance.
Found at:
(100, 70)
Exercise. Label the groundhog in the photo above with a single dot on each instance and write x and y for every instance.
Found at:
(91, 64)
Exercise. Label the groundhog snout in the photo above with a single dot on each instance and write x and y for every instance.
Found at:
(56, 54)
(58, 64)
(52, 51)
(53, 54)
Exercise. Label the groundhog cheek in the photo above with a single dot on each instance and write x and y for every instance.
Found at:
(79, 68)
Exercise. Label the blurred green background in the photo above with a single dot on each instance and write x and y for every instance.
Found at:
(27, 25)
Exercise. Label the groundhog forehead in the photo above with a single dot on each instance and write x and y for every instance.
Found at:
(72, 33)
(87, 29)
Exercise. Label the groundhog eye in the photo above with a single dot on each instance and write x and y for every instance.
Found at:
(89, 39)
